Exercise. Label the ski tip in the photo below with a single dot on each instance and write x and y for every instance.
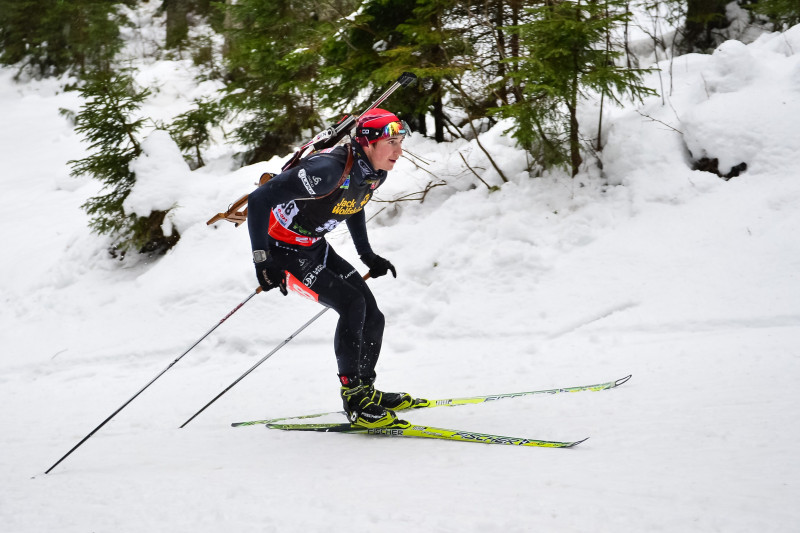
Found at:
(620, 381)
(573, 444)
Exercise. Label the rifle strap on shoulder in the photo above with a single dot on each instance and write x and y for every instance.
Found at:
(347, 167)
(237, 212)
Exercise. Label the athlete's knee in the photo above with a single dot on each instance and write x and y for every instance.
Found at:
(353, 302)
(375, 319)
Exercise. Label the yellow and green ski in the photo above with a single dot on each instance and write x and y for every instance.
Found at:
(453, 402)
(406, 429)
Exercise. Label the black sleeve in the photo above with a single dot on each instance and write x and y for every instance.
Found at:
(357, 224)
(313, 177)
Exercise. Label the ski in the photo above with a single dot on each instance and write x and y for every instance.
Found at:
(406, 429)
(452, 402)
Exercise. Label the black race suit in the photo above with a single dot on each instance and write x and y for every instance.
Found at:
(289, 216)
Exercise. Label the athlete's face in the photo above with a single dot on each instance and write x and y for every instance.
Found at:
(384, 154)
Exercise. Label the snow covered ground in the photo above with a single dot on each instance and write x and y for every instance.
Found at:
(688, 282)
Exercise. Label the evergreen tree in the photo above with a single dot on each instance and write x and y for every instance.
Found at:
(357, 57)
(703, 17)
(783, 13)
(191, 130)
(273, 65)
(455, 47)
(437, 51)
(565, 59)
(502, 14)
(50, 37)
(177, 22)
(178, 18)
(107, 121)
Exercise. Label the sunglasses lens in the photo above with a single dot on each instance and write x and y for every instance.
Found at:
(394, 128)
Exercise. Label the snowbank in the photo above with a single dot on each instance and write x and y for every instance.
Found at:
(683, 279)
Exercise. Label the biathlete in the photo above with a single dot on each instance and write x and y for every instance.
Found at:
(288, 218)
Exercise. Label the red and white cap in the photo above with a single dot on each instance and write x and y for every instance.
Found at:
(377, 124)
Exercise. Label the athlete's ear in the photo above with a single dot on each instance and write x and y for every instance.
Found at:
(369, 150)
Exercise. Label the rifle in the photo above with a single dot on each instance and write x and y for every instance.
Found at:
(237, 211)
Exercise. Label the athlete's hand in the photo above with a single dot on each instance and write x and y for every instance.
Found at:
(268, 274)
(378, 266)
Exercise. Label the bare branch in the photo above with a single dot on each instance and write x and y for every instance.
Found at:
(476, 174)
(645, 115)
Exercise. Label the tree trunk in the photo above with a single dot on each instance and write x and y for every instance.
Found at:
(177, 24)
(421, 126)
(574, 140)
(228, 25)
(702, 17)
(438, 112)
(502, 91)
(572, 105)
(202, 7)
(516, 10)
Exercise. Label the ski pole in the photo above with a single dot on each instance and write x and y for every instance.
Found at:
(278, 347)
(95, 430)
(240, 378)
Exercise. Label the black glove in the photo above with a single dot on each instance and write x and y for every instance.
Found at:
(378, 266)
(268, 274)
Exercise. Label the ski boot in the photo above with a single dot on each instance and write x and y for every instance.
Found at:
(360, 409)
(396, 401)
